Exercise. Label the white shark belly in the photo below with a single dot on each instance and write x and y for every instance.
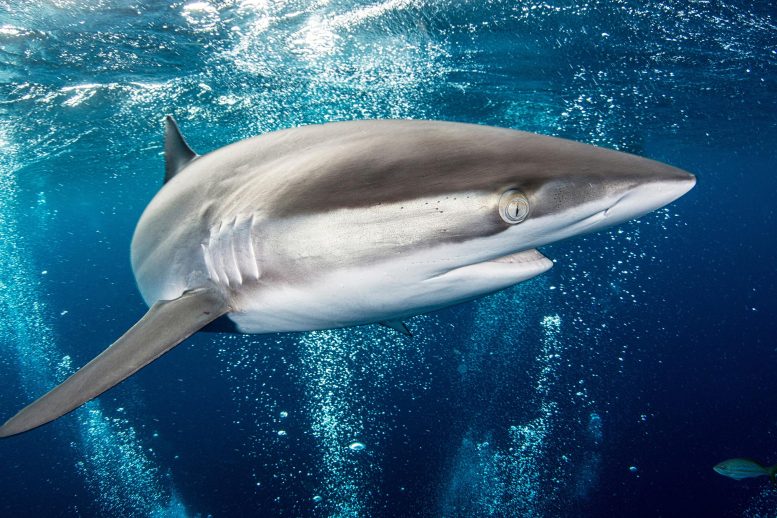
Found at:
(371, 294)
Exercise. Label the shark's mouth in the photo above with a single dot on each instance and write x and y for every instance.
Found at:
(502, 272)
(524, 257)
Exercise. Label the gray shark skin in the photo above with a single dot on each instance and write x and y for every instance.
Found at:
(354, 223)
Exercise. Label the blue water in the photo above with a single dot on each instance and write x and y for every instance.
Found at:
(609, 386)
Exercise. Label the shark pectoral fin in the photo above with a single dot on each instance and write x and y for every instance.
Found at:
(165, 325)
(398, 326)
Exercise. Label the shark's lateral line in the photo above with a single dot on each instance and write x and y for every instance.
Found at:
(353, 223)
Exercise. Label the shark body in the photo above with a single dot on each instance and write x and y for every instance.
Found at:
(354, 223)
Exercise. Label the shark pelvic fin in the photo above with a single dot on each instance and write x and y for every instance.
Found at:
(398, 326)
(178, 154)
(165, 325)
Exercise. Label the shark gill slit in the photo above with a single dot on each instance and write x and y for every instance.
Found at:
(235, 243)
(251, 250)
(211, 259)
(231, 259)
(243, 248)
(209, 263)
(218, 249)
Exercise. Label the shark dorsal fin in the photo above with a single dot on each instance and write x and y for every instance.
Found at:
(178, 154)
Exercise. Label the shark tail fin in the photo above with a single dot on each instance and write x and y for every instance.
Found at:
(166, 324)
(178, 154)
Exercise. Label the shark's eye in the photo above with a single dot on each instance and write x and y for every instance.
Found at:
(513, 206)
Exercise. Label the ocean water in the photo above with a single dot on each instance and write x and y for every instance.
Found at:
(608, 386)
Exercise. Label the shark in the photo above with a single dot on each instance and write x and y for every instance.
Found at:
(353, 223)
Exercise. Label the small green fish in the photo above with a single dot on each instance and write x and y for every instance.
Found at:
(745, 468)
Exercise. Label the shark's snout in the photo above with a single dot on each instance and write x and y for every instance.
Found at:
(650, 195)
(628, 200)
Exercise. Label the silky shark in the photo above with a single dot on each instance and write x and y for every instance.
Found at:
(353, 223)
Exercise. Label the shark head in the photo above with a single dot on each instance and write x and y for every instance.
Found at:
(556, 189)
